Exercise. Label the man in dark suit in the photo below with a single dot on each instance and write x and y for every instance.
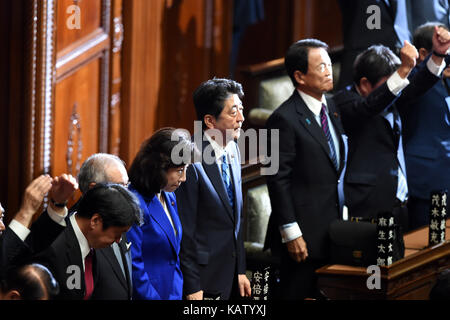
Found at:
(210, 201)
(15, 244)
(426, 133)
(104, 213)
(305, 193)
(114, 281)
(360, 29)
(376, 178)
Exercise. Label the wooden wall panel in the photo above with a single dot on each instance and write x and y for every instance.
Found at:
(170, 47)
(90, 20)
(76, 119)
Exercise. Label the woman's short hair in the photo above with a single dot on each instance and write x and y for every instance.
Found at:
(166, 148)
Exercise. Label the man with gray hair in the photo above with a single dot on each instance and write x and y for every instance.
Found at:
(114, 282)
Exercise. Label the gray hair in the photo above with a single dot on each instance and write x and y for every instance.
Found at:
(93, 169)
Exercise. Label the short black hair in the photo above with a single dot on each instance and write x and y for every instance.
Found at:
(32, 281)
(423, 36)
(297, 56)
(210, 96)
(148, 172)
(117, 206)
(374, 63)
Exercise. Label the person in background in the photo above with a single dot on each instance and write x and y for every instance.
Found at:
(29, 282)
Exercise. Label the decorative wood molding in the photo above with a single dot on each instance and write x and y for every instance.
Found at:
(80, 53)
(74, 131)
(118, 34)
(104, 82)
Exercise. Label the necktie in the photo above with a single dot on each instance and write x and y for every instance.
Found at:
(326, 131)
(88, 276)
(227, 180)
(402, 186)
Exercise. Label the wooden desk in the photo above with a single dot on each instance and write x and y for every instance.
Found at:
(409, 278)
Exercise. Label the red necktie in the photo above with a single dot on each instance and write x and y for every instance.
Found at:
(88, 277)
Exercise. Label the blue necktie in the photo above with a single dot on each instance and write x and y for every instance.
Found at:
(326, 131)
(227, 180)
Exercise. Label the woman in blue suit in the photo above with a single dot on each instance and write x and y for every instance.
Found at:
(155, 245)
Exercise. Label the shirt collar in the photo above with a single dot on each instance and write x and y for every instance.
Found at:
(219, 151)
(312, 103)
(82, 241)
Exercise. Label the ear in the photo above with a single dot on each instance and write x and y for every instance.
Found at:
(13, 295)
(298, 75)
(423, 53)
(96, 221)
(210, 121)
(364, 87)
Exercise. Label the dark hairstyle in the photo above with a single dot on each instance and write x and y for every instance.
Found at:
(117, 206)
(148, 172)
(210, 96)
(32, 281)
(423, 36)
(297, 56)
(374, 63)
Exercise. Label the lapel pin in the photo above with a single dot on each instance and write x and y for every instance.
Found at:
(173, 203)
(308, 121)
(336, 115)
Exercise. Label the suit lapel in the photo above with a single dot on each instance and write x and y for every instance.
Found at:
(73, 253)
(109, 255)
(212, 170)
(172, 207)
(158, 214)
(308, 120)
(334, 116)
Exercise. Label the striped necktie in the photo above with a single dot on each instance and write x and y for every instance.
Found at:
(326, 131)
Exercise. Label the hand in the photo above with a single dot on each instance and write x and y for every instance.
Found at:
(245, 289)
(297, 249)
(441, 40)
(195, 296)
(63, 188)
(408, 56)
(32, 199)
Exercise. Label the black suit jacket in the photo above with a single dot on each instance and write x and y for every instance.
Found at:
(372, 166)
(305, 189)
(12, 250)
(63, 258)
(111, 282)
(358, 37)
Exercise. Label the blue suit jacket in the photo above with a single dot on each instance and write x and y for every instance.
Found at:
(155, 251)
(426, 133)
(211, 253)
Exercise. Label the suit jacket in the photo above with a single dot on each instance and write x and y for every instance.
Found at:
(155, 250)
(112, 284)
(426, 133)
(211, 253)
(372, 169)
(64, 260)
(357, 36)
(12, 250)
(305, 189)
